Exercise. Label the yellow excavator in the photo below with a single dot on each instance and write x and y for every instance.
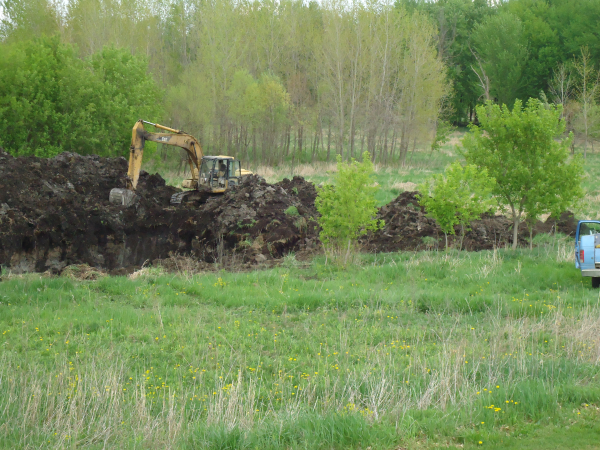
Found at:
(209, 174)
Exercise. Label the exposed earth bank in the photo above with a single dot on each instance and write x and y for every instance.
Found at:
(55, 213)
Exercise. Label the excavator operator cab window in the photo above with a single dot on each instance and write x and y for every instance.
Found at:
(235, 172)
(206, 170)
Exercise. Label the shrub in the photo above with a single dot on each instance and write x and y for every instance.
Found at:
(292, 211)
(348, 208)
(458, 197)
(52, 101)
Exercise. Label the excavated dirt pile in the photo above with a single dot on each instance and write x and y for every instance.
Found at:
(408, 228)
(55, 213)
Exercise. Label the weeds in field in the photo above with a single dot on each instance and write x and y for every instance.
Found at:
(404, 346)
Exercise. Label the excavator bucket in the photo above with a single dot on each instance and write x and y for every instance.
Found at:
(124, 197)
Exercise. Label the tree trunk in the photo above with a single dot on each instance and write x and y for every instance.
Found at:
(385, 148)
(254, 146)
(352, 138)
(413, 150)
(516, 221)
(321, 140)
(531, 237)
(300, 138)
(328, 141)
(294, 151)
(362, 143)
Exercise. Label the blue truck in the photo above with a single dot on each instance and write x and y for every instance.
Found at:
(587, 250)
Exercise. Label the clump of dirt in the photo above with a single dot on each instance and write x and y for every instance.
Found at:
(407, 227)
(82, 272)
(304, 190)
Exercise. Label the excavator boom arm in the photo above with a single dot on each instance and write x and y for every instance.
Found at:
(176, 138)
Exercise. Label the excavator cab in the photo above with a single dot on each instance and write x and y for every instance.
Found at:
(217, 173)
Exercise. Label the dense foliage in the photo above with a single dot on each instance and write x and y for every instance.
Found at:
(297, 81)
(521, 149)
(52, 101)
(269, 81)
(519, 42)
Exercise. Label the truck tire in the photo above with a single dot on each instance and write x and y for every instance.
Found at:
(595, 282)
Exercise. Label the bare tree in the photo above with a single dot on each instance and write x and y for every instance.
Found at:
(587, 91)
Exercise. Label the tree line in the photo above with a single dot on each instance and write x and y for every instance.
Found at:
(290, 80)
(520, 49)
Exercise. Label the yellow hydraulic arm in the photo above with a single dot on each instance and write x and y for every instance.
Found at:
(175, 137)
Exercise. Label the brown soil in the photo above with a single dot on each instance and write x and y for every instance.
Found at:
(55, 213)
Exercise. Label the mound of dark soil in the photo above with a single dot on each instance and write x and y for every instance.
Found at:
(55, 213)
(258, 221)
(304, 190)
(408, 228)
(566, 224)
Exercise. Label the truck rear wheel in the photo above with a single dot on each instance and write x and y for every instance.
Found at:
(595, 282)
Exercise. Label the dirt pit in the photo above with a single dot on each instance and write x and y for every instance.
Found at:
(55, 213)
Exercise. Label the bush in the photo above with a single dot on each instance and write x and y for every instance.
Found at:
(292, 211)
(461, 195)
(348, 209)
(51, 101)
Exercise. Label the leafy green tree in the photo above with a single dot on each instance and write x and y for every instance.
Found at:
(128, 93)
(501, 55)
(543, 44)
(52, 101)
(348, 208)
(522, 150)
(443, 130)
(460, 196)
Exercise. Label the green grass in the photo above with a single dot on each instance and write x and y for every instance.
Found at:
(402, 350)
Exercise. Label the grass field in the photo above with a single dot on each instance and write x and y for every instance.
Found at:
(496, 349)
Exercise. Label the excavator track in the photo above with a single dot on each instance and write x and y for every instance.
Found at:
(189, 197)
